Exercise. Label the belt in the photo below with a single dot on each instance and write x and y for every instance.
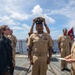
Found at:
(40, 54)
(65, 47)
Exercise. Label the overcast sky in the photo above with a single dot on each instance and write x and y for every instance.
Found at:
(18, 15)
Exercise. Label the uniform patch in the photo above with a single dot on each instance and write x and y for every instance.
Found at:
(45, 38)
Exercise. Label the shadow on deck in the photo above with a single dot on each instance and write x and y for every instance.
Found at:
(24, 68)
(54, 59)
(20, 68)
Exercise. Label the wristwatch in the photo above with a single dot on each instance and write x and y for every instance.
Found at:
(45, 25)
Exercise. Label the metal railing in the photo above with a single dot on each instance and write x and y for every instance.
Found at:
(21, 47)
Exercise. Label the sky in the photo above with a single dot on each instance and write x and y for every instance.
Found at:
(19, 15)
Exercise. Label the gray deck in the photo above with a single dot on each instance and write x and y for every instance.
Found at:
(22, 66)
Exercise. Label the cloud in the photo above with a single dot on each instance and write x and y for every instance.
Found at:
(7, 20)
(21, 32)
(67, 10)
(17, 28)
(17, 15)
(48, 19)
(71, 24)
(26, 27)
(23, 27)
(38, 11)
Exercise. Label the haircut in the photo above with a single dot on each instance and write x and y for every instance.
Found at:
(3, 28)
(64, 29)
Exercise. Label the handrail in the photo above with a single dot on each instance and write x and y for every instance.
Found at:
(21, 47)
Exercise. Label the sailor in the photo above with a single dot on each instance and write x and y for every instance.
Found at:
(64, 45)
(13, 44)
(71, 59)
(39, 43)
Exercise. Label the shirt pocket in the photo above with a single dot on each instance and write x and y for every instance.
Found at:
(62, 42)
(45, 41)
(36, 39)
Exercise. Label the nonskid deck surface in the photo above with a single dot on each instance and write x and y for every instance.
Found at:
(24, 68)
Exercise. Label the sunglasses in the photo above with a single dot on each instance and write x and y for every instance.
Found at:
(7, 29)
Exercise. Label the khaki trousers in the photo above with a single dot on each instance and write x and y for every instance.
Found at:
(73, 69)
(64, 52)
(40, 65)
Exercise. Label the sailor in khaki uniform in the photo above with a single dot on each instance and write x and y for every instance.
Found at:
(71, 59)
(39, 43)
(64, 45)
(13, 44)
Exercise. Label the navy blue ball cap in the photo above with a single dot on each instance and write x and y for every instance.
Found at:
(38, 21)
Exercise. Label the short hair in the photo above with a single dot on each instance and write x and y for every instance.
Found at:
(3, 27)
(64, 29)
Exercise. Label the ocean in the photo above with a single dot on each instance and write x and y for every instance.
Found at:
(21, 47)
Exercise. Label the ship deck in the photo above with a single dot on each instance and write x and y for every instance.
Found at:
(24, 68)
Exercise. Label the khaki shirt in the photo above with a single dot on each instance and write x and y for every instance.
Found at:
(64, 41)
(13, 40)
(73, 56)
(40, 44)
(73, 51)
